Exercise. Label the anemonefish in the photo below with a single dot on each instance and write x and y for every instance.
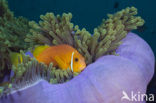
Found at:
(63, 56)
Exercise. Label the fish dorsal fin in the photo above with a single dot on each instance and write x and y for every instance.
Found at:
(39, 49)
(71, 65)
(60, 62)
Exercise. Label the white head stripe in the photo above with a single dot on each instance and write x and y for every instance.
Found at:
(72, 61)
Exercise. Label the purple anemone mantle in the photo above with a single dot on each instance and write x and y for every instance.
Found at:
(103, 81)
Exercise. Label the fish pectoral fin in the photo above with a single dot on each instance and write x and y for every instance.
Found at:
(60, 62)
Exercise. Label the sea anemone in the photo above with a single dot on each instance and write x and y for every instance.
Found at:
(101, 82)
(55, 30)
(12, 33)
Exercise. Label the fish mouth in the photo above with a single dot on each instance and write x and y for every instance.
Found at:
(83, 67)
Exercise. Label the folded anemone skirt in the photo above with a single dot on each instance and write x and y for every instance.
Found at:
(108, 80)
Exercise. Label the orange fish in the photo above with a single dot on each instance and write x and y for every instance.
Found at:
(63, 56)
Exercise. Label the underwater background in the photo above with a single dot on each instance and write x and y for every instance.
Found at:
(89, 14)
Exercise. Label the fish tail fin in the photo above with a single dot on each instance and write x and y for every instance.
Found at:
(15, 58)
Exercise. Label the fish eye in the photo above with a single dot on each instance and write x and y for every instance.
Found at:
(76, 59)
